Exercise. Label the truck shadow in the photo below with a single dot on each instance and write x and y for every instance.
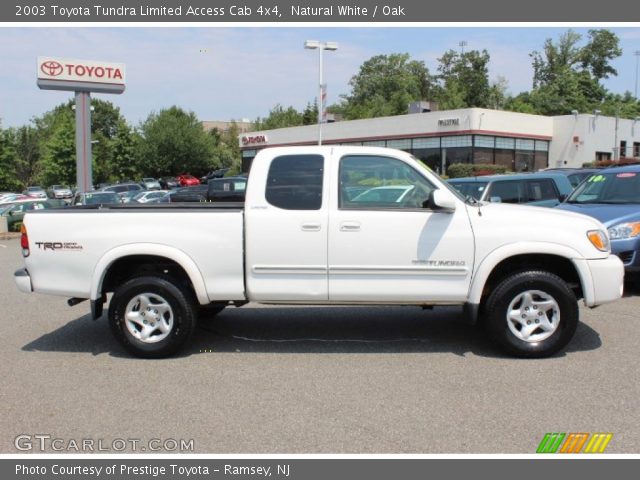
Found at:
(327, 330)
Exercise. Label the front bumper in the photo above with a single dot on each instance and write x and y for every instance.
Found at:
(23, 280)
(607, 277)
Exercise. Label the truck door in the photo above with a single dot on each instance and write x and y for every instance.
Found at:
(286, 230)
(385, 246)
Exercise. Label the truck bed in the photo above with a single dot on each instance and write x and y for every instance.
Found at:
(74, 245)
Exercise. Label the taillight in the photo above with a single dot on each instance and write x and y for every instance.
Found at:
(24, 241)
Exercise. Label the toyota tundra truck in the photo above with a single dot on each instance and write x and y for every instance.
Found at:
(326, 225)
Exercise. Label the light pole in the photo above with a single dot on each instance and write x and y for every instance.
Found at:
(312, 45)
(637, 54)
(463, 44)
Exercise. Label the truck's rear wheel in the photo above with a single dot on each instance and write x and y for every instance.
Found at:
(152, 317)
(532, 314)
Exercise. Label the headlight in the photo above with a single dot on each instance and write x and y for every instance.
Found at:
(599, 240)
(624, 230)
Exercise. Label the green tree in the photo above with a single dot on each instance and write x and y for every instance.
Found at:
(464, 75)
(58, 165)
(122, 154)
(623, 106)
(385, 85)
(279, 117)
(171, 142)
(596, 56)
(227, 149)
(27, 140)
(310, 114)
(567, 75)
(8, 157)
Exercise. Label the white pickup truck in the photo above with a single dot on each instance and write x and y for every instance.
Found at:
(326, 225)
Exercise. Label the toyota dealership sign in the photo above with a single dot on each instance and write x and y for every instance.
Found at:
(80, 75)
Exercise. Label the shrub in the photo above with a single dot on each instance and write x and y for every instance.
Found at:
(458, 170)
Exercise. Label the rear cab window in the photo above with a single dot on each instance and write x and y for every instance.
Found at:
(295, 182)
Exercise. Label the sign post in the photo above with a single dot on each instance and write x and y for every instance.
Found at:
(81, 77)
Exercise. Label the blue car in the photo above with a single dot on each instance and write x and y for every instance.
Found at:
(613, 197)
(538, 189)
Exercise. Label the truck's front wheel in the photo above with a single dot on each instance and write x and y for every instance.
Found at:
(532, 314)
(152, 317)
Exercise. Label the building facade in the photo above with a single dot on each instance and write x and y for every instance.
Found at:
(520, 142)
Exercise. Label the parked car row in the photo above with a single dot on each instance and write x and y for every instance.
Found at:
(610, 195)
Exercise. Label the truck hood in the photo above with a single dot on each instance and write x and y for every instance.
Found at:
(498, 225)
(547, 216)
(608, 214)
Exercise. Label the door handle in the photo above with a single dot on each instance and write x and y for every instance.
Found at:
(310, 227)
(350, 227)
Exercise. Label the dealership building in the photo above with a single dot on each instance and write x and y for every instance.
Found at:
(519, 141)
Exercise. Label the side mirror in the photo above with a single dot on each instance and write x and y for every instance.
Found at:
(441, 200)
(495, 199)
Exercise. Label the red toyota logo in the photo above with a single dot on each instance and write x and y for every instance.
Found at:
(51, 68)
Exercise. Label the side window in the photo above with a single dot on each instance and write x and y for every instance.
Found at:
(543, 189)
(294, 182)
(380, 182)
(508, 191)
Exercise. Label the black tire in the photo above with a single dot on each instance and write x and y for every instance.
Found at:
(545, 333)
(169, 304)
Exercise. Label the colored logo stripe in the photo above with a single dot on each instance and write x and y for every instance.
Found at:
(573, 443)
(598, 443)
(550, 443)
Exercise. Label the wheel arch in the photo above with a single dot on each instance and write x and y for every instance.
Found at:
(563, 261)
(128, 261)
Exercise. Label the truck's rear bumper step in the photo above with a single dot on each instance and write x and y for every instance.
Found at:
(23, 280)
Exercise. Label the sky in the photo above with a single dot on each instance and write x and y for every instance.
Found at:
(223, 73)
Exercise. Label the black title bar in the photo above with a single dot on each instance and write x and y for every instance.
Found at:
(272, 11)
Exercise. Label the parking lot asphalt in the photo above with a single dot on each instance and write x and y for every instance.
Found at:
(310, 380)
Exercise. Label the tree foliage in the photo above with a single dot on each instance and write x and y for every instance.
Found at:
(173, 141)
(465, 78)
(8, 173)
(385, 85)
(567, 76)
(279, 117)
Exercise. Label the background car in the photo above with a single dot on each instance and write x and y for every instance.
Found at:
(613, 196)
(168, 183)
(59, 192)
(214, 174)
(122, 188)
(538, 189)
(96, 198)
(149, 183)
(187, 180)
(575, 175)
(227, 189)
(12, 197)
(197, 193)
(14, 212)
(148, 196)
(35, 192)
(384, 194)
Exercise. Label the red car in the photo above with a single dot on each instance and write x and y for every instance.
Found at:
(188, 180)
